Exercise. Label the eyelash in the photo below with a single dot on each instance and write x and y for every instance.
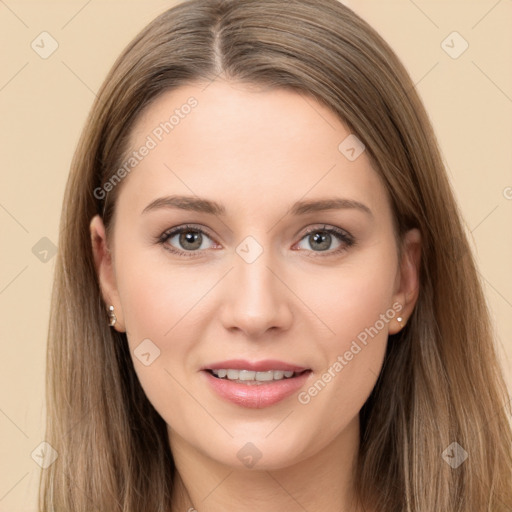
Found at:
(340, 234)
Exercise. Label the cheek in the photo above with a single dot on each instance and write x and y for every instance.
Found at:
(351, 298)
(165, 304)
(154, 294)
(356, 305)
(147, 306)
(155, 303)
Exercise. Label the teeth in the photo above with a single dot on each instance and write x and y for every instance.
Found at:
(249, 375)
(244, 375)
(232, 374)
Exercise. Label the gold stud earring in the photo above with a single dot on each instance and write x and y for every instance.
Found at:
(112, 316)
(400, 320)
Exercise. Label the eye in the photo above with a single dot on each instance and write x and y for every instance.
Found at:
(184, 240)
(320, 239)
(190, 240)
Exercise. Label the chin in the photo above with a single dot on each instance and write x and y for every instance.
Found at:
(261, 451)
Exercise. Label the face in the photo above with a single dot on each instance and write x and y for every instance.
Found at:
(279, 257)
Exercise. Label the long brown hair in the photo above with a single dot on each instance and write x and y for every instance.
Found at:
(441, 382)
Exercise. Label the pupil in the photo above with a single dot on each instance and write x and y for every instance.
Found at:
(191, 238)
(324, 240)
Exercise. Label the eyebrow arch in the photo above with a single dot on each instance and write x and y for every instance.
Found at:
(191, 203)
(197, 204)
(336, 203)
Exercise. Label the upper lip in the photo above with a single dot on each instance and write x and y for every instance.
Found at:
(256, 366)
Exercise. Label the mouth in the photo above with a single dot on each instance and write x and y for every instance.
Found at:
(254, 378)
(255, 385)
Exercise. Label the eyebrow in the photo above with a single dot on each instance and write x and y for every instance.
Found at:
(197, 204)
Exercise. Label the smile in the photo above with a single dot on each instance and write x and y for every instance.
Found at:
(255, 388)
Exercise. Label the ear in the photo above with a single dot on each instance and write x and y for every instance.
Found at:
(105, 270)
(408, 281)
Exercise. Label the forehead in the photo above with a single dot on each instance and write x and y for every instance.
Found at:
(245, 144)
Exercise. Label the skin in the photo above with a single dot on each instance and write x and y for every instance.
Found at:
(255, 151)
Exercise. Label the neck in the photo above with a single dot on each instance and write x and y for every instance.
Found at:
(322, 482)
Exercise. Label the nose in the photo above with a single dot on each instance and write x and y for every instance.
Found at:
(256, 299)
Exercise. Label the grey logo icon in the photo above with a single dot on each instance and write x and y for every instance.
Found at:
(454, 45)
(44, 455)
(146, 352)
(44, 45)
(44, 250)
(249, 249)
(351, 147)
(455, 455)
(249, 455)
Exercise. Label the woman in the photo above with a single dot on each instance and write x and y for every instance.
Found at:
(264, 297)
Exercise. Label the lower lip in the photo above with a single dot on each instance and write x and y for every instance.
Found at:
(256, 396)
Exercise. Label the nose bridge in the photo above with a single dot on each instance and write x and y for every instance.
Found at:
(257, 299)
(255, 282)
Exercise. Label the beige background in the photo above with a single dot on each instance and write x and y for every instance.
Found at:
(44, 103)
